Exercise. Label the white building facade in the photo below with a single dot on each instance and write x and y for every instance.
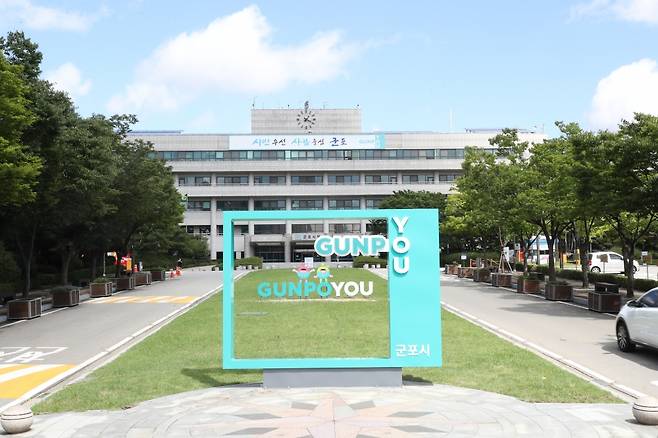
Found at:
(304, 159)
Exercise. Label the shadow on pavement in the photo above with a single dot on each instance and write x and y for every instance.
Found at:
(205, 376)
(642, 356)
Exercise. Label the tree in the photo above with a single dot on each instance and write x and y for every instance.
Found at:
(18, 168)
(406, 199)
(628, 180)
(548, 199)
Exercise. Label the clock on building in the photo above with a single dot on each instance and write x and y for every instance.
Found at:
(306, 118)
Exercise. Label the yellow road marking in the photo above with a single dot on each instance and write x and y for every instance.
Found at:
(146, 299)
(16, 380)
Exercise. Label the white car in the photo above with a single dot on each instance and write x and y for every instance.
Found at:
(614, 265)
(637, 322)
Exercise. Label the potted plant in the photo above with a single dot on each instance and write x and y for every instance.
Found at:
(65, 296)
(124, 283)
(24, 308)
(481, 274)
(605, 298)
(558, 291)
(143, 278)
(101, 287)
(159, 273)
(527, 285)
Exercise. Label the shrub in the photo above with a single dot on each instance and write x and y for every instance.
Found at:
(448, 259)
(101, 280)
(370, 260)
(253, 261)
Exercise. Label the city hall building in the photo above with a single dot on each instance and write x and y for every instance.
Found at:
(304, 159)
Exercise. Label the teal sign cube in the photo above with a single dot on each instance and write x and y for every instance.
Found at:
(412, 244)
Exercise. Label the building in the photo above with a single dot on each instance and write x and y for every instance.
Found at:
(304, 159)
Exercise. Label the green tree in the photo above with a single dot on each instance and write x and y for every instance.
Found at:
(18, 168)
(407, 199)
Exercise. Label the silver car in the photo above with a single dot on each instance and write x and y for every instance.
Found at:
(637, 322)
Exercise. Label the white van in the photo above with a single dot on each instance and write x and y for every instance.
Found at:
(614, 265)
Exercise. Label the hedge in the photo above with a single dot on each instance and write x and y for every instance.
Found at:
(253, 261)
(369, 260)
(448, 259)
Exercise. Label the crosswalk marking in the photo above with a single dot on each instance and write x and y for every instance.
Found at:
(16, 380)
(146, 299)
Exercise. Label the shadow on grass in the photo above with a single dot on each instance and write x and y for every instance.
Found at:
(409, 379)
(207, 376)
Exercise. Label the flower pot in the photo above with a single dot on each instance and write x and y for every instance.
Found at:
(481, 274)
(603, 302)
(143, 278)
(24, 308)
(504, 280)
(97, 290)
(527, 286)
(66, 297)
(558, 292)
(125, 283)
(161, 275)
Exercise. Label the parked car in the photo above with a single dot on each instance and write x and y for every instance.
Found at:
(637, 322)
(614, 265)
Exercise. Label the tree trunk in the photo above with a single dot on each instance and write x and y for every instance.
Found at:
(27, 253)
(551, 261)
(66, 255)
(92, 254)
(583, 249)
(524, 248)
(629, 254)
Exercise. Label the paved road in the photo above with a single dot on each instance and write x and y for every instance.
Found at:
(33, 353)
(575, 334)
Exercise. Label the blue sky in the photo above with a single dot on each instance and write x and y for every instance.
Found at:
(200, 65)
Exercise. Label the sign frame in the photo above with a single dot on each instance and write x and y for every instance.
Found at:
(412, 322)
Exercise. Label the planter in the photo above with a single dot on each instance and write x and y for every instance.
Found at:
(602, 287)
(97, 290)
(66, 297)
(124, 283)
(493, 277)
(527, 286)
(558, 292)
(143, 278)
(504, 280)
(464, 272)
(603, 302)
(452, 269)
(162, 275)
(24, 308)
(481, 274)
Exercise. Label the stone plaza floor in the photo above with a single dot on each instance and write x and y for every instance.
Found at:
(410, 411)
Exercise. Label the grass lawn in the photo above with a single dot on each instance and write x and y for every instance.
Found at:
(297, 327)
(185, 355)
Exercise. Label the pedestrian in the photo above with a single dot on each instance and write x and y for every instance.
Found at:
(179, 263)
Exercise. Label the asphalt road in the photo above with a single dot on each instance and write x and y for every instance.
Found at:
(34, 353)
(579, 335)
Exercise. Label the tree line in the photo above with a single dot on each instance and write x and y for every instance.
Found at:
(72, 187)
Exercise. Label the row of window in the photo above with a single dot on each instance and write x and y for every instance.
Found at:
(356, 154)
(280, 204)
(278, 229)
(243, 180)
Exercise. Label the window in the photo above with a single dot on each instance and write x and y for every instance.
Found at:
(204, 229)
(615, 257)
(202, 180)
(306, 155)
(306, 179)
(233, 205)
(344, 179)
(306, 204)
(271, 180)
(447, 177)
(650, 299)
(270, 204)
(373, 203)
(237, 180)
(381, 179)
(198, 205)
(418, 179)
(240, 229)
(220, 230)
(344, 204)
(270, 254)
(345, 228)
(307, 228)
(269, 229)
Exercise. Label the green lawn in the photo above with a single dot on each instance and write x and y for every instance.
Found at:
(185, 355)
(298, 327)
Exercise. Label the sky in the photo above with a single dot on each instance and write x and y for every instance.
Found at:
(200, 66)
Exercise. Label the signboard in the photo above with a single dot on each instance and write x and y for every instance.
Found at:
(305, 236)
(296, 142)
(414, 298)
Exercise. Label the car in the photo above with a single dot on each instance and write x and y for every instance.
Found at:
(614, 265)
(637, 322)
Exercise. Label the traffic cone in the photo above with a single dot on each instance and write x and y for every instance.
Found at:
(178, 273)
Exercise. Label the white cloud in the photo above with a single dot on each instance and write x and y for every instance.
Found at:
(645, 11)
(234, 53)
(33, 16)
(628, 89)
(67, 77)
